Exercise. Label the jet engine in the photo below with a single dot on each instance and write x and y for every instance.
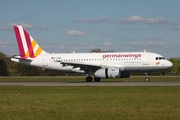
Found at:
(108, 73)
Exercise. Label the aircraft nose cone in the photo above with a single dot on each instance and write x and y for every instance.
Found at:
(169, 64)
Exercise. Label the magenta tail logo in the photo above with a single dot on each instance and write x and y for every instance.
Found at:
(26, 44)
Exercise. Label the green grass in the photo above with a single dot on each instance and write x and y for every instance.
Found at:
(89, 103)
(82, 79)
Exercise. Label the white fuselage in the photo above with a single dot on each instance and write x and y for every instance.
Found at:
(126, 61)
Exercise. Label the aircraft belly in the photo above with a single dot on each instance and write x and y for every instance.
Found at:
(144, 68)
(60, 67)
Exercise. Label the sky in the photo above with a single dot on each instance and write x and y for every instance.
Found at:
(60, 26)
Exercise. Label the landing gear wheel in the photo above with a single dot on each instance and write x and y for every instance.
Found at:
(97, 79)
(147, 79)
(89, 79)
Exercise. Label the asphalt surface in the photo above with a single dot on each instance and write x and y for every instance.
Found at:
(89, 83)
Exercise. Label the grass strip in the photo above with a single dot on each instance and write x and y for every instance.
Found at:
(89, 103)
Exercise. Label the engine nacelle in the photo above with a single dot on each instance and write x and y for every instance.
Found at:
(108, 73)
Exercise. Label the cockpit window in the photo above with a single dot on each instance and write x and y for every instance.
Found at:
(160, 58)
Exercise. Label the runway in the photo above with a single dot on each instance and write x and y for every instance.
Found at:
(89, 83)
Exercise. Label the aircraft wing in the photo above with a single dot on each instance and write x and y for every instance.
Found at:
(85, 65)
(81, 64)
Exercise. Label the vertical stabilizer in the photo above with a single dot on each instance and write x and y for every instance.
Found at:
(28, 48)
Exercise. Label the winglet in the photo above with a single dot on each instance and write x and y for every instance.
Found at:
(26, 44)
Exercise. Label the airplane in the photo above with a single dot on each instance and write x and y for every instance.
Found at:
(98, 65)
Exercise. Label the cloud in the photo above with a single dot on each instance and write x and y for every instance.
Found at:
(4, 43)
(134, 43)
(26, 25)
(137, 19)
(76, 33)
(47, 46)
(3, 46)
(43, 27)
(157, 20)
(149, 46)
(133, 29)
(92, 20)
(159, 47)
(132, 19)
(10, 26)
(81, 47)
(157, 43)
(107, 43)
(177, 27)
(107, 34)
(153, 38)
(62, 47)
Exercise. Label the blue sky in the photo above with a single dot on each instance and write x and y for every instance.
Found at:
(82, 25)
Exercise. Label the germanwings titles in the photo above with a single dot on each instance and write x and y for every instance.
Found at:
(121, 55)
(98, 65)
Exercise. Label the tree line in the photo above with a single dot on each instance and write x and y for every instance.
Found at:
(9, 68)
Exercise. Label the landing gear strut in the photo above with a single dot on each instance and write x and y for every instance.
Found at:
(147, 79)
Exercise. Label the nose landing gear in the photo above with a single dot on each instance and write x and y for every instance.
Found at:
(147, 79)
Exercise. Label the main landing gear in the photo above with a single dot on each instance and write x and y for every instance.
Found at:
(147, 79)
(97, 79)
(89, 79)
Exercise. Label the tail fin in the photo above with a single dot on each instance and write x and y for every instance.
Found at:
(26, 44)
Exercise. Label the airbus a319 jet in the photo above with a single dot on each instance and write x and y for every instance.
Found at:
(97, 65)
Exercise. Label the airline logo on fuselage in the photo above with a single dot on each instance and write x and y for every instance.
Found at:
(157, 63)
(121, 56)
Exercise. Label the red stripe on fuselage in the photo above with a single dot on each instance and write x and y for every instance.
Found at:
(29, 45)
(19, 41)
